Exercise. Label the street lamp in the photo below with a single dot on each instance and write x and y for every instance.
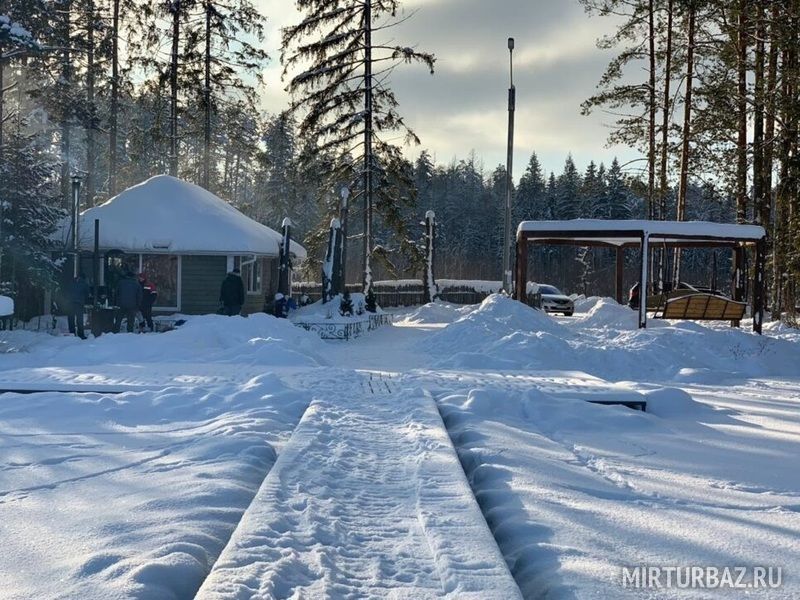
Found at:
(512, 100)
(345, 194)
(76, 229)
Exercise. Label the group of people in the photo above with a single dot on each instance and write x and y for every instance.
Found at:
(134, 295)
(137, 294)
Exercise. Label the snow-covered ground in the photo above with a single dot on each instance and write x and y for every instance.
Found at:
(366, 501)
(137, 494)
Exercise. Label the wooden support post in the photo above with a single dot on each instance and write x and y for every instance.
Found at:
(738, 284)
(521, 287)
(758, 286)
(644, 263)
(620, 265)
(96, 264)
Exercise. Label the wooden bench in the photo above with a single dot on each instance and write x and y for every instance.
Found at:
(656, 302)
(702, 307)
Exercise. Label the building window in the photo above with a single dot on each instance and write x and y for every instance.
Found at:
(250, 267)
(164, 271)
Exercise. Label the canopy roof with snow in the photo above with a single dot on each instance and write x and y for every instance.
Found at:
(646, 235)
(165, 214)
(630, 232)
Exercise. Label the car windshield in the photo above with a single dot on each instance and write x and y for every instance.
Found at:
(549, 289)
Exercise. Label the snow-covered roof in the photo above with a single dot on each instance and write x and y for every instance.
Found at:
(6, 306)
(619, 233)
(165, 214)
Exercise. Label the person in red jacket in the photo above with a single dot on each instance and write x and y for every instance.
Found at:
(149, 295)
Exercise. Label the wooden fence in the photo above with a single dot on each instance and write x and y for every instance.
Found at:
(392, 294)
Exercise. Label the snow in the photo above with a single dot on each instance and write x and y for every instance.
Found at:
(328, 312)
(479, 285)
(364, 499)
(259, 340)
(165, 214)
(660, 230)
(131, 495)
(602, 339)
(572, 495)
(435, 313)
(436, 457)
(15, 32)
(6, 306)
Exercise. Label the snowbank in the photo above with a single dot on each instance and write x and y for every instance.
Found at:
(494, 336)
(604, 340)
(676, 404)
(573, 491)
(258, 339)
(135, 495)
(436, 313)
(606, 313)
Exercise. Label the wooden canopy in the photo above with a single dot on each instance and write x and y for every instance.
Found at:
(640, 233)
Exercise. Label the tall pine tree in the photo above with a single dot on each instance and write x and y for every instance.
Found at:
(345, 104)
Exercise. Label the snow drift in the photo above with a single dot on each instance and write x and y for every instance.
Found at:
(604, 340)
(259, 339)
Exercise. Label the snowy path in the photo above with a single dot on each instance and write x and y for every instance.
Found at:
(365, 501)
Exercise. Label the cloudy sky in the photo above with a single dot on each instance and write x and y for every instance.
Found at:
(463, 107)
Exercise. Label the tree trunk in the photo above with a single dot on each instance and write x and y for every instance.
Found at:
(791, 236)
(114, 109)
(760, 203)
(175, 8)
(687, 119)
(741, 142)
(667, 107)
(236, 174)
(91, 108)
(66, 117)
(783, 198)
(651, 148)
(2, 151)
(769, 149)
(368, 162)
(207, 101)
(2, 106)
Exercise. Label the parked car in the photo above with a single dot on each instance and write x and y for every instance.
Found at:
(554, 301)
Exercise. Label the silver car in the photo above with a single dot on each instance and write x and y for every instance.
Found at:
(553, 301)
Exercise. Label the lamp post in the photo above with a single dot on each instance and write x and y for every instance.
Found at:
(512, 100)
(76, 228)
(345, 194)
(285, 269)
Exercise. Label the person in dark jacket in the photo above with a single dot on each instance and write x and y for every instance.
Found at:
(77, 297)
(231, 293)
(129, 298)
(149, 295)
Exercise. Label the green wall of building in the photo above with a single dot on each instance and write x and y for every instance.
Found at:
(201, 277)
